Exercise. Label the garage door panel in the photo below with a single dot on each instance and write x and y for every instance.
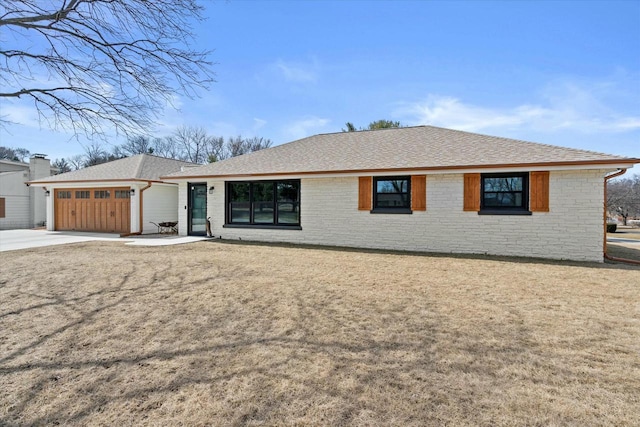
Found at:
(93, 209)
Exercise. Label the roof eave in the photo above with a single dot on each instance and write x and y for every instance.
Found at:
(592, 164)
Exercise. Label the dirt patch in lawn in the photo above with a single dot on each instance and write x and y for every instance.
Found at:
(228, 334)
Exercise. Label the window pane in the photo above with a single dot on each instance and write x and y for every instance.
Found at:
(503, 184)
(503, 199)
(505, 191)
(288, 191)
(240, 212)
(263, 191)
(263, 212)
(392, 200)
(392, 193)
(392, 186)
(288, 213)
(239, 192)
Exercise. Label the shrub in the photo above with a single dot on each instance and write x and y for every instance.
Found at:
(611, 228)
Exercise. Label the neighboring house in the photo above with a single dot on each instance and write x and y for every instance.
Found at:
(417, 189)
(22, 206)
(123, 196)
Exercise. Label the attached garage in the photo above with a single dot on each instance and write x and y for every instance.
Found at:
(125, 196)
(105, 210)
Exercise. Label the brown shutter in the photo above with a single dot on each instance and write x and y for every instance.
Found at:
(419, 192)
(471, 192)
(539, 190)
(365, 191)
(2, 213)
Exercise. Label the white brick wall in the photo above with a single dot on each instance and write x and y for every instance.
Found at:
(573, 229)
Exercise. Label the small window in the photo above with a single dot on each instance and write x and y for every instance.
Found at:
(392, 194)
(123, 194)
(83, 194)
(64, 194)
(504, 193)
(102, 194)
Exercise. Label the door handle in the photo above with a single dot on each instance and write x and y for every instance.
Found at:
(73, 213)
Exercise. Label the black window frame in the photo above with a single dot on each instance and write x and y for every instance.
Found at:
(523, 209)
(275, 203)
(391, 209)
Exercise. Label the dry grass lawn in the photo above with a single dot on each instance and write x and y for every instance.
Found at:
(237, 334)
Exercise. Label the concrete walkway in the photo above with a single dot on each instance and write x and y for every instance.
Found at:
(11, 240)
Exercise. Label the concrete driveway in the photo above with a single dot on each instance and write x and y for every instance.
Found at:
(11, 240)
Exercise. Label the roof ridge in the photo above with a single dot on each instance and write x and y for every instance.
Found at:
(164, 158)
(138, 171)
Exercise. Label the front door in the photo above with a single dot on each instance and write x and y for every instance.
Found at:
(197, 209)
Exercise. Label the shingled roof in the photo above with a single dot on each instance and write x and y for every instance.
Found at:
(141, 167)
(398, 149)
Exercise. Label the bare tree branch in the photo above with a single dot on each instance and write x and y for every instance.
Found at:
(92, 65)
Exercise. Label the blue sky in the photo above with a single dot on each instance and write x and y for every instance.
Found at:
(563, 73)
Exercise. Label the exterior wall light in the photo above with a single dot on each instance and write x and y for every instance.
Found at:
(133, 192)
(47, 192)
(211, 189)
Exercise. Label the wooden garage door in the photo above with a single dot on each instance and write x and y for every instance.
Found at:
(93, 209)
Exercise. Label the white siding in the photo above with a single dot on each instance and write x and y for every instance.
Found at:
(573, 229)
(160, 205)
(17, 205)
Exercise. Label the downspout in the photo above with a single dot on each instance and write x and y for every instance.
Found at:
(137, 233)
(604, 243)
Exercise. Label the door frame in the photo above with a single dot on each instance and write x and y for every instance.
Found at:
(190, 231)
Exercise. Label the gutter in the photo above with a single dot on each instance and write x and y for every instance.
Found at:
(137, 233)
(604, 244)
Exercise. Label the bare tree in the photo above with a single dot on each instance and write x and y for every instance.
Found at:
(623, 197)
(62, 165)
(15, 154)
(188, 143)
(166, 147)
(135, 145)
(215, 149)
(238, 145)
(91, 64)
(193, 143)
(95, 154)
(76, 161)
